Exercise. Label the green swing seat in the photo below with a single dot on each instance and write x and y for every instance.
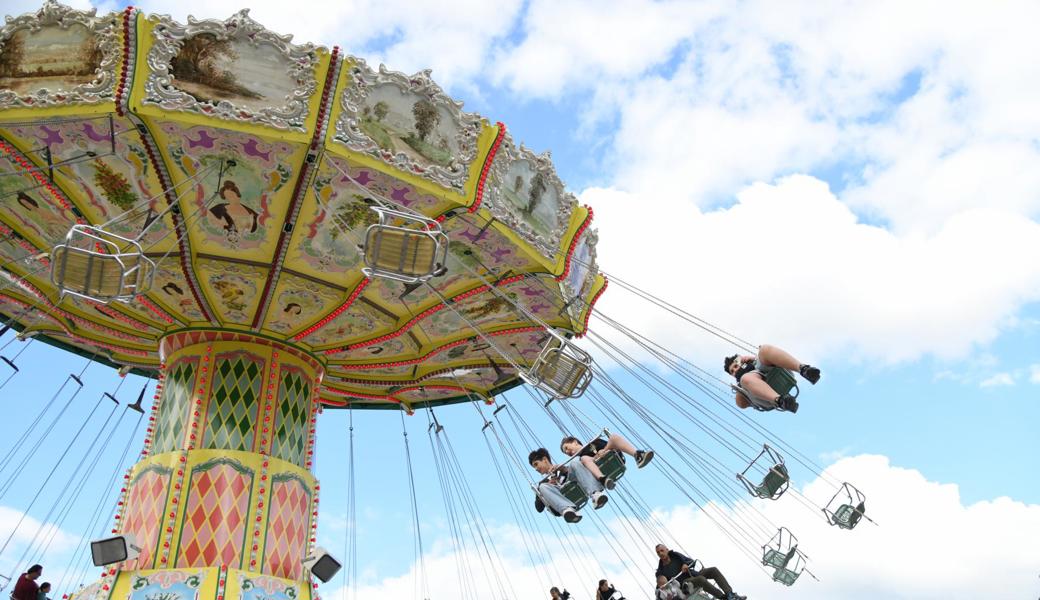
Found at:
(776, 479)
(612, 465)
(848, 516)
(782, 381)
(779, 561)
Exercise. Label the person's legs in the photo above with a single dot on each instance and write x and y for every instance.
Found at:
(591, 465)
(771, 356)
(715, 575)
(585, 479)
(754, 384)
(554, 498)
(699, 581)
(617, 442)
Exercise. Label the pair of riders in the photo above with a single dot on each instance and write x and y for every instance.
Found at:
(584, 471)
(677, 578)
(751, 372)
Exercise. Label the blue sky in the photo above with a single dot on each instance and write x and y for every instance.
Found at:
(857, 184)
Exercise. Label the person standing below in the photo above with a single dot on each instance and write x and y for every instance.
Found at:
(26, 587)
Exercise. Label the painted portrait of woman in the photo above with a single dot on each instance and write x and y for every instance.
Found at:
(237, 217)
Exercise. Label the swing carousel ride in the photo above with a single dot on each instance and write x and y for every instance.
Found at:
(269, 229)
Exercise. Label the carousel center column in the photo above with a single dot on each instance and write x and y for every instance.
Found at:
(223, 501)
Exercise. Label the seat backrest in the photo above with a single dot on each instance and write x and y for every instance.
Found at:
(612, 465)
(573, 492)
(560, 372)
(782, 381)
(401, 251)
(90, 274)
(775, 479)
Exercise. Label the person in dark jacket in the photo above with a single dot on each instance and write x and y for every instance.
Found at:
(673, 565)
(26, 588)
(605, 591)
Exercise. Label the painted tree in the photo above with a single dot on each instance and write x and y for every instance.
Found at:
(381, 109)
(426, 117)
(11, 55)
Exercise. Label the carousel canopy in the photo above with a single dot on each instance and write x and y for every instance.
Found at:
(243, 172)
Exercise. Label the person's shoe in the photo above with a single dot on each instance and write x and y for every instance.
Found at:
(643, 458)
(607, 482)
(571, 516)
(735, 596)
(787, 403)
(810, 373)
(599, 500)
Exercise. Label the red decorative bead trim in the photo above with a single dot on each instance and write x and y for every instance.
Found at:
(332, 315)
(588, 312)
(419, 317)
(118, 316)
(486, 169)
(574, 244)
(31, 170)
(128, 56)
(413, 361)
(299, 188)
(155, 309)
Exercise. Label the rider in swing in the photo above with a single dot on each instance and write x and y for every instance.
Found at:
(751, 371)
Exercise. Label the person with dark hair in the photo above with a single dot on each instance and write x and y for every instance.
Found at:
(293, 308)
(751, 371)
(556, 594)
(589, 453)
(45, 589)
(605, 591)
(172, 288)
(673, 565)
(25, 588)
(233, 209)
(555, 476)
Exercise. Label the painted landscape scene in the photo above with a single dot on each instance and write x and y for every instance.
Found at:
(531, 194)
(404, 122)
(212, 69)
(51, 58)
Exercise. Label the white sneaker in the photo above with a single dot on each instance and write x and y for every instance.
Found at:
(571, 516)
(599, 499)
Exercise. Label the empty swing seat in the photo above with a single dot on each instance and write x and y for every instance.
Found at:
(848, 516)
(561, 370)
(412, 251)
(100, 266)
(776, 480)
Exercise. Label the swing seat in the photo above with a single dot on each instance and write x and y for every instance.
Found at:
(100, 266)
(776, 479)
(848, 516)
(412, 252)
(612, 465)
(774, 483)
(782, 381)
(785, 576)
(561, 370)
(774, 558)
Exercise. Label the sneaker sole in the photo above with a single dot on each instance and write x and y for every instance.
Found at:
(609, 484)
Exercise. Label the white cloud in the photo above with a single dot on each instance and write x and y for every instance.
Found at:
(998, 380)
(792, 265)
(1034, 373)
(924, 537)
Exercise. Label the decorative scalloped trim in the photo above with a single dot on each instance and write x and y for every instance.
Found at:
(300, 189)
(486, 169)
(592, 304)
(574, 244)
(413, 361)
